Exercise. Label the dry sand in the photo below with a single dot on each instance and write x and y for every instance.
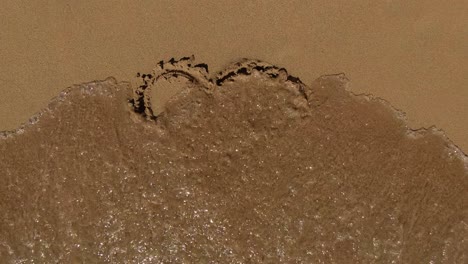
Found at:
(412, 53)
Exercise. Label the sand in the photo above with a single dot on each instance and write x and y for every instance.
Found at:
(412, 53)
(252, 166)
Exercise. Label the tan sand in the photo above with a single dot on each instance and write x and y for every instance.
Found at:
(412, 53)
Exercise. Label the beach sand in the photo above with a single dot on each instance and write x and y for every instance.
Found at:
(413, 54)
(252, 166)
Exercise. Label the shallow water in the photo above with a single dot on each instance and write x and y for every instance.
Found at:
(257, 168)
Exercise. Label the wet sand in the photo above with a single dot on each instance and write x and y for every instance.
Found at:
(252, 166)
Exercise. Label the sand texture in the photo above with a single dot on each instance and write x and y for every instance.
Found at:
(412, 53)
(250, 166)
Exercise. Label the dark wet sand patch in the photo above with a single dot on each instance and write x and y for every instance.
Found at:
(252, 166)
